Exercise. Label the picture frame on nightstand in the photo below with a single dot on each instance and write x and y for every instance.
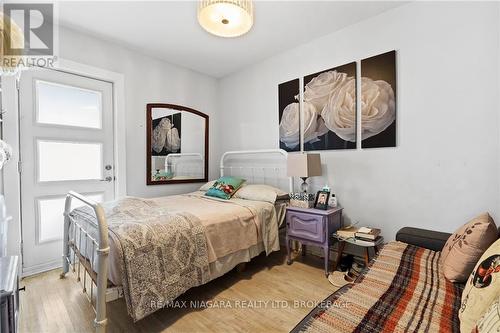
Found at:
(322, 200)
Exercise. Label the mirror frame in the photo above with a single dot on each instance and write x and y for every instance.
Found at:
(149, 123)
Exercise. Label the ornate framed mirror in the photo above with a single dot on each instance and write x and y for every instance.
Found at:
(177, 145)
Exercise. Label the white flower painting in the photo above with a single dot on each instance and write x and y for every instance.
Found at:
(329, 107)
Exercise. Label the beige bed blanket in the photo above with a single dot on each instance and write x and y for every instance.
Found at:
(230, 225)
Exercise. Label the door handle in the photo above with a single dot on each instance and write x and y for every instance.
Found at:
(107, 179)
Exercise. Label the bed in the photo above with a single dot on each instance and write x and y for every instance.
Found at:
(150, 251)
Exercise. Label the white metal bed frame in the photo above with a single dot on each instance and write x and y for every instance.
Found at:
(98, 276)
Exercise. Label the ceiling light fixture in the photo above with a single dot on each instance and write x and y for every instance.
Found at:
(226, 18)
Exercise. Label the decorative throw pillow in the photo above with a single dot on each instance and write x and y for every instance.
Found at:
(205, 187)
(481, 289)
(490, 321)
(258, 192)
(225, 187)
(466, 245)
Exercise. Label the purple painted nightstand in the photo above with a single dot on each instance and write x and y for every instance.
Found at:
(311, 226)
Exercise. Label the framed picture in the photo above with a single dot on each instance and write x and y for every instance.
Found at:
(322, 200)
(166, 135)
(289, 115)
(329, 109)
(378, 100)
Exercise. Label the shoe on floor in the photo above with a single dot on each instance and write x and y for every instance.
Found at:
(351, 275)
(357, 267)
(339, 279)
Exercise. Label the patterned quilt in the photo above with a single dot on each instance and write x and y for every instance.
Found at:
(404, 290)
(163, 254)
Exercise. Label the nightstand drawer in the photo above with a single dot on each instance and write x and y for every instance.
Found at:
(306, 226)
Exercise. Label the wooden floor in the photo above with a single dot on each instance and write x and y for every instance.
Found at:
(50, 304)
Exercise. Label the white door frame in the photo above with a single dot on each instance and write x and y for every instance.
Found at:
(10, 133)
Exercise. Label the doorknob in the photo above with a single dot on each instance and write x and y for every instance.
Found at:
(108, 167)
(107, 179)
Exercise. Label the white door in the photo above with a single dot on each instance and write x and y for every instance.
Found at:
(66, 128)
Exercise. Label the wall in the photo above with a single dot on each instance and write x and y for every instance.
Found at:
(445, 167)
(147, 80)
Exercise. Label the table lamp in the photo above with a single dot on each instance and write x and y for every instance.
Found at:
(159, 163)
(303, 165)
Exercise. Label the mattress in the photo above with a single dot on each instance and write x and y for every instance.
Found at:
(236, 230)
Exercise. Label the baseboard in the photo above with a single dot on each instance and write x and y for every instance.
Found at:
(37, 269)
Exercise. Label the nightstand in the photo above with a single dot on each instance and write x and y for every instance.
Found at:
(311, 226)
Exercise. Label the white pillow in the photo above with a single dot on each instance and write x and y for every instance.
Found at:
(205, 187)
(258, 192)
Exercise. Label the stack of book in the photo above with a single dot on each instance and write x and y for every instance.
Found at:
(365, 233)
(348, 232)
(369, 236)
(364, 236)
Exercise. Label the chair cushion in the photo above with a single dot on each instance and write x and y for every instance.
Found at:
(482, 288)
(464, 247)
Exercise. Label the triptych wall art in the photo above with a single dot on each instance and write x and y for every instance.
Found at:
(329, 107)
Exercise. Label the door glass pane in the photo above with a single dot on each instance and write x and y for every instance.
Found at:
(68, 106)
(50, 216)
(59, 161)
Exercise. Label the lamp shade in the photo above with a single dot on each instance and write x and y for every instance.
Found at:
(159, 163)
(304, 165)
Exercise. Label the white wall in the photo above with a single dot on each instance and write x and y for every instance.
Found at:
(147, 80)
(445, 168)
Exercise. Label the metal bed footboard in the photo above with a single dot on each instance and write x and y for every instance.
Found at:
(76, 249)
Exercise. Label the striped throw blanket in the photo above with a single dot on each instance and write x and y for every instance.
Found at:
(404, 290)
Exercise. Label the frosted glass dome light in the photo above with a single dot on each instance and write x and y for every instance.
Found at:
(226, 18)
